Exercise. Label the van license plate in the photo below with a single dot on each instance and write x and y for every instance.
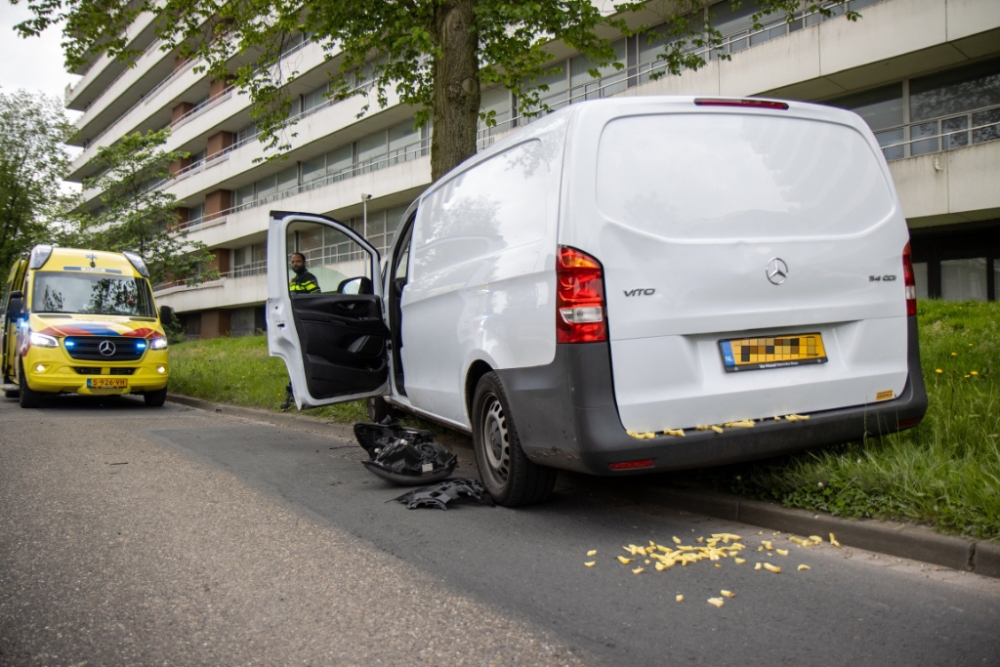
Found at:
(105, 383)
(754, 354)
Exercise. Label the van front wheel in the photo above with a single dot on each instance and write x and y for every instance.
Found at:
(507, 473)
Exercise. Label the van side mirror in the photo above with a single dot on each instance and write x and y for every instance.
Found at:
(15, 305)
(359, 285)
(166, 316)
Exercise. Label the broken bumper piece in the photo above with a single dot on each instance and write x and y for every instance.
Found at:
(441, 494)
(404, 456)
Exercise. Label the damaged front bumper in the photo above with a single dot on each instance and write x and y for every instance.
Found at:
(567, 418)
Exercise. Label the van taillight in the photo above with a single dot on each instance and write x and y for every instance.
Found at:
(579, 298)
(909, 281)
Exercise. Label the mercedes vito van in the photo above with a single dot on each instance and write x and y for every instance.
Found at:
(623, 286)
(84, 322)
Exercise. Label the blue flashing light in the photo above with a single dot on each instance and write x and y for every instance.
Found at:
(141, 345)
(69, 343)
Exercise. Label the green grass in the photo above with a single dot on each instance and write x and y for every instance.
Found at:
(945, 472)
(239, 371)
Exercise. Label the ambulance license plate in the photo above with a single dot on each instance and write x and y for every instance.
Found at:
(107, 383)
(754, 354)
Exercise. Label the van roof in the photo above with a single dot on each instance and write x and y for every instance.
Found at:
(559, 120)
(77, 257)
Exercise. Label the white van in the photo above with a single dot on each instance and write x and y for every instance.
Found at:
(601, 288)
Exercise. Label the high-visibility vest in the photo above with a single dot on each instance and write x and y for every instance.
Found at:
(307, 284)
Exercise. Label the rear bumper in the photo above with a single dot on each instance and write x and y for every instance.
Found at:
(567, 417)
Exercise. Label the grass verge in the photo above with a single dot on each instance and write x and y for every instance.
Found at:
(239, 371)
(945, 472)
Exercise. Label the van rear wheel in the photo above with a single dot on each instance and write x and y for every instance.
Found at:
(507, 473)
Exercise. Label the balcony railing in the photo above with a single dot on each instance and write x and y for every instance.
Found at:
(413, 151)
(242, 271)
(944, 133)
(148, 96)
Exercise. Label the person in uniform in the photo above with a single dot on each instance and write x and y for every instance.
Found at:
(301, 283)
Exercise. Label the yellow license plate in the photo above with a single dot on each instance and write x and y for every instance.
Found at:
(753, 354)
(107, 383)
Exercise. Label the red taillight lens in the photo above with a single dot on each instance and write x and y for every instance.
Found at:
(910, 281)
(631, 465)
(758, 104)
(579, 298)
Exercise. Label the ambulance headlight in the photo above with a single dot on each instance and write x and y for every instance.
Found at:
(158, 344)
(41, 340)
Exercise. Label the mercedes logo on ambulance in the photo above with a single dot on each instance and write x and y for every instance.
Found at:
(776, 271)
(107, 348)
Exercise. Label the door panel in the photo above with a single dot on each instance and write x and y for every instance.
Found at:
(324, 309)
(342, 338)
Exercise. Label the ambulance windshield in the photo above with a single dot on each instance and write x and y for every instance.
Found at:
(91, 294)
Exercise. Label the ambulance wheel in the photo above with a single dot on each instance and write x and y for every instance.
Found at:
(155, 399)
(507, 474)
(28, 397)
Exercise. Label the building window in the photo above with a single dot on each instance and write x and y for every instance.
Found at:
(964, 279)
(920, 278)
(881, 108)
(952, 103)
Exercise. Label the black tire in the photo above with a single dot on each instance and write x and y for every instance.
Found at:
(29, 398)
(155, 399)
(507, 474)
(379, 409)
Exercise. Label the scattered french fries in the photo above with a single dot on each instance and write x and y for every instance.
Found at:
(718, 602)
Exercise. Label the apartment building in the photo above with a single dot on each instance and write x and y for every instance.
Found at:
(924, 74)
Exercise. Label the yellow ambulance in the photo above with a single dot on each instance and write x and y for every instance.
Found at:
(84, 322)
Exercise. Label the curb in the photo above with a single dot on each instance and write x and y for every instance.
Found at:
(902, 540)
(296, 421)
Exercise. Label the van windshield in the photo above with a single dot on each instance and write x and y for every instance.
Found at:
(91, 294)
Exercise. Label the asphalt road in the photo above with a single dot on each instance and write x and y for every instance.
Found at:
(136, 536)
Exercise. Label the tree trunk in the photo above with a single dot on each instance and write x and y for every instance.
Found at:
(456, 86)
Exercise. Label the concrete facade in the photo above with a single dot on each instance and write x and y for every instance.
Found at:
(896, 44)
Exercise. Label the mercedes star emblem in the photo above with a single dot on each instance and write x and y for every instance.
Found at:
(777, 271)
(107, 348)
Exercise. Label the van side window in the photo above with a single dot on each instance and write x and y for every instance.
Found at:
(494, 205)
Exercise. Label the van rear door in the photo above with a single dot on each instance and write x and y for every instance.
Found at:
(325, 321)
(726, 231)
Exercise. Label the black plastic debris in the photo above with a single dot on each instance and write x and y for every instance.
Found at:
(439, 495)
(404, 456)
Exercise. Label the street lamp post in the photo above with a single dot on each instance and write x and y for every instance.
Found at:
(364, 218)
(364, 215)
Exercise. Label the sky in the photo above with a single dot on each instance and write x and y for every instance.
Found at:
(36, 63)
